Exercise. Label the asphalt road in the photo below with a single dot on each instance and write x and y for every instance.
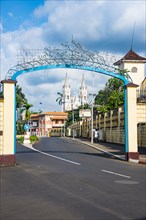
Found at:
(62, 179)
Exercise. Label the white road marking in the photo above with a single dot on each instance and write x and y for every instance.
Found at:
(118, 174)
(50, 155)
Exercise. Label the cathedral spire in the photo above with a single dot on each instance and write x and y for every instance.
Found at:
(73, 102)
(83, 91)
(83, 82)
(66, 95)
(66, 82)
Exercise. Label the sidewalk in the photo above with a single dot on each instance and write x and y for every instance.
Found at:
(112, 149)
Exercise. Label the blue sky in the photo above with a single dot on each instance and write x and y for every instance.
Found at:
(105, 26)
(15, 13)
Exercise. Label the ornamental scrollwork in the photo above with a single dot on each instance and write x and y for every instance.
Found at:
(71, 53)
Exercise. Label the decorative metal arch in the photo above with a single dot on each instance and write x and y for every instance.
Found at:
(69, 55)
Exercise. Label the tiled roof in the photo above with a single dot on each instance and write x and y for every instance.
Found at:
(131, 55)
(55, 113)
(34, 115)
(58, 117)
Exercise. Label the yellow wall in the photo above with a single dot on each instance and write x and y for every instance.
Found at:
(112, 123)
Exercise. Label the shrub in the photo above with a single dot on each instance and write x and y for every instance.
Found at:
(33, 139)
(21, 139)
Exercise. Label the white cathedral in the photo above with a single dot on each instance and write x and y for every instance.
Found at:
(134, 63)
(70, 102)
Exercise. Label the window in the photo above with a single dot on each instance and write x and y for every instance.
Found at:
(134, 70)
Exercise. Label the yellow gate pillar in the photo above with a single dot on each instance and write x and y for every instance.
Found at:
(9, 130)
(132, 154)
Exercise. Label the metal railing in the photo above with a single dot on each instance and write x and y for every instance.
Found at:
(141, 95)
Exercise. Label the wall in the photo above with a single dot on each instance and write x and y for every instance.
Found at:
(112, 124)
(142, 134)
(1, 124)
(141, 112)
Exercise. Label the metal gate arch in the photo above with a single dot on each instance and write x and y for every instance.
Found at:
(73, 56)
(87, 68)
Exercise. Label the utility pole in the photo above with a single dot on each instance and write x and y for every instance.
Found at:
(92, 103)
(64, 128)
(73, 120)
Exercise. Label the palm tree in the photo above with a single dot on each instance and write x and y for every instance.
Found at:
(20, 97)
(26, 108)
(60, 98)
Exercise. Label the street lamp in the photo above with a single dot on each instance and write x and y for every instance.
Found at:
(92, 101)
(73, 120)
(64, 128)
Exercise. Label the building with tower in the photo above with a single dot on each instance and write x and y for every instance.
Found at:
(70, 101)
(135, 64)
(83, 92)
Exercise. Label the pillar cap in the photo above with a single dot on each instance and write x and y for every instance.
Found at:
(132, 85)
(9, 81)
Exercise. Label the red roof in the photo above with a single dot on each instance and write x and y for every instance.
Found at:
(131, 55)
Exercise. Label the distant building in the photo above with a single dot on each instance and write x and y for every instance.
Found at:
(48, 123)
(135, 64)
(70, 102)
(143, 85)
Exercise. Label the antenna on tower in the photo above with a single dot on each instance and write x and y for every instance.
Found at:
(72, 38)
(133, 35)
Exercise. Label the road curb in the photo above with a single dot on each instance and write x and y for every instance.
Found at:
(111, 154)
(142, 162)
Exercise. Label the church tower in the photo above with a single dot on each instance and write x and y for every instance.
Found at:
(83, 92)
(66, 102)
(75, 101)
(135, 64)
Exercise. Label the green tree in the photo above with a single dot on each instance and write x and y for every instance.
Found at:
(26, 108)
(22, 105)
(20, 127)
(20, 97)
(60, 98)
(111, 96)
(75, 113)
(85, 106)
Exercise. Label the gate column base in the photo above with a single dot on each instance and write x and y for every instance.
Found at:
(132, 157)
(7, 160)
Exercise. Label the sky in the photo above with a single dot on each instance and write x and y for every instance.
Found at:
(98, 25)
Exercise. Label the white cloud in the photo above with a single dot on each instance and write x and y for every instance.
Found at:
(133, 14)
(10, 14)
(74, 17)
(48, 7)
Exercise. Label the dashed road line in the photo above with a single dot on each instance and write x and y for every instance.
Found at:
(118, 174)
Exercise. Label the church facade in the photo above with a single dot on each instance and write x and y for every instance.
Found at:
(69, 101)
